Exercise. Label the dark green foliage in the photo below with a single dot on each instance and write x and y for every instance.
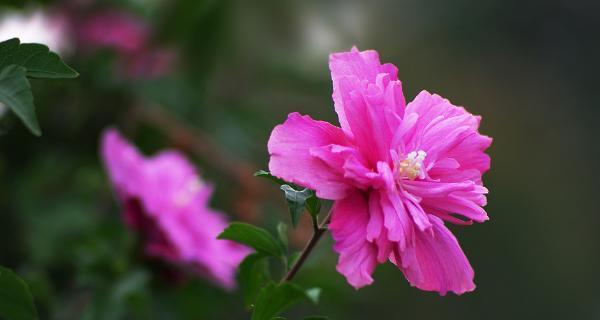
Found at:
(282, 230)
(36, 58)
(259, 239)
(296, 200)
(274, 298)
(313, 205)
(268, 175)
(253, 275)
(16, 302)
(15, 93)
(19, 61)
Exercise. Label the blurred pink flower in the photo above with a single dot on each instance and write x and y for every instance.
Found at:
(130, 38)
(396, 172)
(113, 29)
(165, 201)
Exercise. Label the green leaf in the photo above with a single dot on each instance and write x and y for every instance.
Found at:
(257, 238)
(254, 273)
(313, 294)
(131, 283)
(36, 58)
(15, 93)
(268, 175)
(282, 233)
(16, 302)
(296, 201)
(316, 318)
(275, 298)
(118, 298)
(313, 205)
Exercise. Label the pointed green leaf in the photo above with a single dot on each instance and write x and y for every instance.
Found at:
(254, 273)
(275, 298)
(313, 205)
(296, 201)
(36, 58)
(15, 93)
(268, 175)
(16, 302)
(255, 237)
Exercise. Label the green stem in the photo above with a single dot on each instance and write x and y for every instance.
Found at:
(318, 231)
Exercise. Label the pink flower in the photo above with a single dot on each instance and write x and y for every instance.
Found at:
(396, 172)
(115, 30)
(166, 202)
(130, 38)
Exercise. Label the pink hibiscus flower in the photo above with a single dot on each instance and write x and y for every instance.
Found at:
(114, 29)
(130, 37)
(166, 202)
(395, 171)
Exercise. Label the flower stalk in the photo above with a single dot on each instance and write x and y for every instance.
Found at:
(318, 230)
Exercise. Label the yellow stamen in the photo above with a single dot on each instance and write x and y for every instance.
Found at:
(411, 166)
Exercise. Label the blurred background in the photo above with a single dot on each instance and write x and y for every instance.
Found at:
(212, 78)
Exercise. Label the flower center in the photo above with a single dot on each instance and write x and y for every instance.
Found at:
(410, 167)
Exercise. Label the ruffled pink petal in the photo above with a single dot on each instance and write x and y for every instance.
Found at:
(195, 235)
(470, 153)
(440, 127)
(376, 231)
(368, 99)
(172, 184)
(157, 243)
(397, 220)
(418, 215)
(436, 262)
(347, 162)
(167, 203)
(348, 227)
(375, 226)
(362, 66)
(435, 189)
(367, 129)
(406, 127)
(469, 205)
(122, 161)
(290, 148)
(175, 194)
(464, 198)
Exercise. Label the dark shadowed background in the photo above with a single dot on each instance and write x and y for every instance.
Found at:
(232, 70)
